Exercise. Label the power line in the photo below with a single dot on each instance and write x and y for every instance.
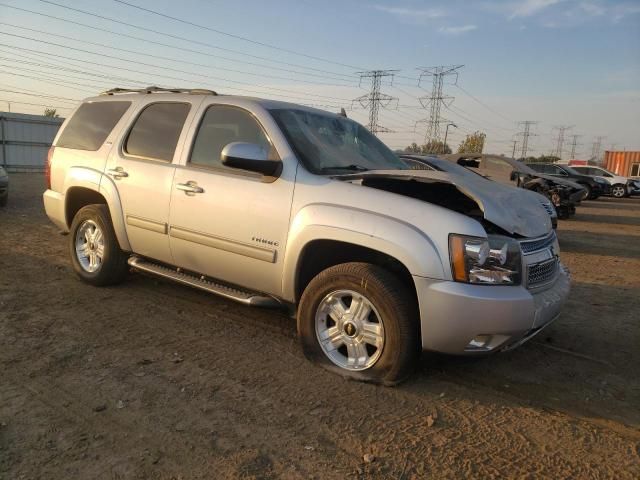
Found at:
(186, 62)
(154, 66)
(375, 99)
(325, 74)
(437, 99)
(37, 104)
(526, 133)
(198, 26)
(482, 103)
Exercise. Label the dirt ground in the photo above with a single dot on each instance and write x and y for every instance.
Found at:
(154, 380)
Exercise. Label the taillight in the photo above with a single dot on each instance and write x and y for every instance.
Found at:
(47, 167)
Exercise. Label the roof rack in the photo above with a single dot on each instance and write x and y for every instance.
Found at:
(192, 91)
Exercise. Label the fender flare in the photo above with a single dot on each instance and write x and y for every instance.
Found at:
(390, 236)
(95, 180)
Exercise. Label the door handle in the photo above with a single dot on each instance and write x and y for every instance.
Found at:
(190, 188)
(117, 173)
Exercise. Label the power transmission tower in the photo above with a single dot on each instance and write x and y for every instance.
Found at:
(574, 144)
(375, 99)
(435, 101)
(560, 140)
(596, 148)
(526, 133)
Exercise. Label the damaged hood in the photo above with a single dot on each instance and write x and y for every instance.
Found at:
(515, 210)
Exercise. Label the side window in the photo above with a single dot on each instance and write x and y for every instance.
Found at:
(91, 125)
(220, 126)
(556, 171)
(635, 170)
(156, 131)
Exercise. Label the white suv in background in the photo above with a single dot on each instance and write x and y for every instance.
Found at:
(620, 186)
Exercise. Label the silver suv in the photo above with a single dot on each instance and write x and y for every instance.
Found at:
(270, 203)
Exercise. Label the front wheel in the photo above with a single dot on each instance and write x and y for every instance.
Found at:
(618, 191)
(95, 253)
(359, 320)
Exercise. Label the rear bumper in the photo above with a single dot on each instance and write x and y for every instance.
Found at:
(54, 207)
(452, 314)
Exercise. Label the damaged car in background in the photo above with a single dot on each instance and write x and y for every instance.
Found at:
(564, 194)
(275, 204)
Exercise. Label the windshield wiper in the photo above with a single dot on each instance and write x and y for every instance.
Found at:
(357, 168)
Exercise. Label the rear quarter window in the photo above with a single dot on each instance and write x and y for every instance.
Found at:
(91, 125)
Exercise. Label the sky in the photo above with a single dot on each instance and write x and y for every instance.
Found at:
(573, 63)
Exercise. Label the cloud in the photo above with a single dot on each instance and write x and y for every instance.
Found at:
(457, 30)
(412, 13)
(527, 8)
(621, 11)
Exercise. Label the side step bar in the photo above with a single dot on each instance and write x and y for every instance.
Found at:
(233, 293)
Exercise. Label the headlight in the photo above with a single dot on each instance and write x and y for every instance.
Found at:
(488, 261)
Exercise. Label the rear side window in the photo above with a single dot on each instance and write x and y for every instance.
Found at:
(156, 131)
(91, 125)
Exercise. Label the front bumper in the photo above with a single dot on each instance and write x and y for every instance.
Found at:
(453, 314)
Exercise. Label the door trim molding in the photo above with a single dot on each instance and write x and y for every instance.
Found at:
(147, 224)
(233, 246)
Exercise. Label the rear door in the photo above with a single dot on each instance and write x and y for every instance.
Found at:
(142, 168)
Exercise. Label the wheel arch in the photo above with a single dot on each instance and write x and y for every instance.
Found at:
(84, 187)
(323, 236)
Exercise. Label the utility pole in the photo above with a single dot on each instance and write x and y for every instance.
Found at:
(446, 134)
(526, 133)
(560, 140)
(375, 99)
(435, 101)
(515, 143)
(596, 148)
(574, 144)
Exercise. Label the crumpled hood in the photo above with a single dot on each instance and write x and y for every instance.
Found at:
(560, 181)
(515, 210)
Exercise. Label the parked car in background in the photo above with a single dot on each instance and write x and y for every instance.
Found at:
(620, 186)
(468, 176)
(594, 186)
(4, 187)
(564, 194)
(271, 203)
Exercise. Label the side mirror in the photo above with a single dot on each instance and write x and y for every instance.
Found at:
(514, 176)
(251, 157)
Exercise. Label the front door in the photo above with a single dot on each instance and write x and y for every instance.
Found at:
(142, 169)
(228, 223)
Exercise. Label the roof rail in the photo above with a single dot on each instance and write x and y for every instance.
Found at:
(192, 91)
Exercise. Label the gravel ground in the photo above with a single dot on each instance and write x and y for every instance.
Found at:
(154, 380)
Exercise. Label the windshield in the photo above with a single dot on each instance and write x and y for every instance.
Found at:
(329, 144)
(570, 170)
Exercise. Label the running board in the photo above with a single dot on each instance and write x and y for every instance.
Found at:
(233, 293)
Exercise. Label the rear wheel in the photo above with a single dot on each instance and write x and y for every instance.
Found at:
(95, 254)
(588, 195)
(360, 321)
(618, 190)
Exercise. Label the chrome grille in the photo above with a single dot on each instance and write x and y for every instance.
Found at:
(542, 272)
(538, 244)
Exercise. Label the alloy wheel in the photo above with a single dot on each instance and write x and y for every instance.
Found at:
(349, 330)
(89, 245)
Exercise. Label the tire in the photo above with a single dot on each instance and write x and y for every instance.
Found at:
(618, 191)
(391, 306)
(95, 253)
(588, 195)
(3, 200)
